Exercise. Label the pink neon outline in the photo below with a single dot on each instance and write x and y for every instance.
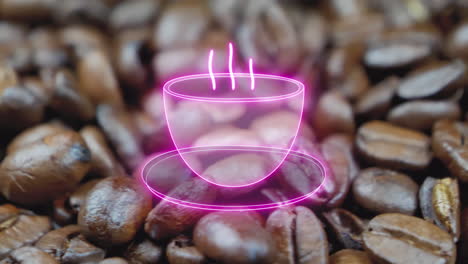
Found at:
(210, 69)
(317, 161)
(300, 90)
(252, 76)
(233, 79)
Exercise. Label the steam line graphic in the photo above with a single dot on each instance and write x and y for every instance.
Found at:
(231, 73)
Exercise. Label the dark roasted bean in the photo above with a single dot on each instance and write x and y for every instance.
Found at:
(347, 227)
(143, 252)
(393, 55)
(376, 102)
(29, 255)
(181, 250)
(33, 10)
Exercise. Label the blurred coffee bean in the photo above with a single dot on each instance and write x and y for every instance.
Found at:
(386, 191)
(350, 256)
(11, 33)
(181, 250)
(154, 132)
(20, 228)
(249, 241)
(414, 239)
(114, 260)
(103, 161)
(45, 169)
(345, 8)
(81, 39)
(299, 236)
(19, 57)
(346, 227)
(450, 144)
(66, 245)
(48, 50)
(133, 14)
(114, 211)
(78, 198)
(29, 255)
(355, 84)
(276, 128)
(387, 145)
(167, 219)
(120, 130)
(395, 55)
(97, 79)
(313, 29)
(375, 103)
(143, 252)
(91, 11)
(38, 88)
(63, 214)
(228, 13)
(435, 81)
(34, 134)
(27, 10)
(333, 115)
(342, 60)
(357, 29)
(440, 204)
(457, 42)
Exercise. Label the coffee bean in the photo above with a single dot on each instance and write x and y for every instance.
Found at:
(56, 163)
(48, 51)
(114, 260)
(33, 10)
(81, 39)
(166, 220)
(249, 241)
(387, 145)
(343, 9)
(333, 115)
(375, 103)
(277, 128)
(20, 228)
(386, 191)
(346, 227)
(457, 42)
(63, 214)
(143, 252)
(414, 239)
(78, 197)
(342, 60)
(154, 132)
(38, 88)
(29, 255)
(298, 235)
(422, 114)
(393, 55)
(114, 211)
(90, 11)
(432, 82)
(8, 77)
(181, 250)
(355, 84)
(349, 256)
(66, 245)
(450, 144)
(133, 14)
(357, 29)
(34, 134)
(440, 204)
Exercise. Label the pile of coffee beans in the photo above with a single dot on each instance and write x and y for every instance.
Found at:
(81, 107)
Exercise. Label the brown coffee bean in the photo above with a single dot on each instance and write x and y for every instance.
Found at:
(375, 103)
(386, 191)
(143, 252)
(66, 245)
(91, 11)
(34, 134)
(357, 29)
(342, 60)
(355, 84)
(38, 88)
(181, 250)
(32, 10)
(438, 80)
(298, 235)
(12, 33)
(8, 77)
(450, 144)
(422, 114)
(249, 241)
(103, 161)
(45, 169)
(440, 204)
(154, 132)
(63, 214)
(81, 39)
(114, 211)
(456, 43)
(29, 255)
(276, 128)
(166, 220)
(228, 13)
(133, 14)
(119, 128)
(20, 228)
(48, 51)
(78, 197)
(114, 260)
(333, 115)
(415, 240)
(396, 54)
(343, 9)
(387, 145)
(346, 227)
(19, 56)
(350, 256)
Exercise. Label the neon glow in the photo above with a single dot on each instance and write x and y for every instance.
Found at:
(252, 76)
(210, 69)
(233, 79)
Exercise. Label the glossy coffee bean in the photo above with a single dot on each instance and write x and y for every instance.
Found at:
(416, 240)
(440, 204)
(249, 241)
(34, 134)
(143, 252)
(29, 255)
(393, 55)
(383, 144)
(181, 250)
(349, 256)
(299, 236)
(450, 144)
(342, 60)
(334, 114)
(346, 227)
(114, 211)
(386, 191)
(375, 103)
(56, 164)
(78, 197)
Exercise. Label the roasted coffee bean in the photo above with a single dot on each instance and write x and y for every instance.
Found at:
(343, 9)
(48, 51)
(19, 228)
(422, 114)
(56, 163)
(143, 252)
(63, 214)
(350, 256)
(133, 14)
(415, 240)
(440, 204)
(34, 134)
(114, 211)
(38, 88)
(346, 227)
(249, 241)
(342, 60)
(32, 10)
(154, 132)
(396, 54)
(119, 128)
(67, 245)
(450, 144)
(298, 235)
(181, 250)
(333, 115)
(386, 191)
(78, 197)
(166, 220)
(357, 29)
(228, 13)
(456, 43)
(8, 77)
(91, 11)
(114, 261)
(276, 128)
(387, 145)
(355, 84)
(375, 103)
(103, 161)
(81, 39)
(435, 81)
(29, 255)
